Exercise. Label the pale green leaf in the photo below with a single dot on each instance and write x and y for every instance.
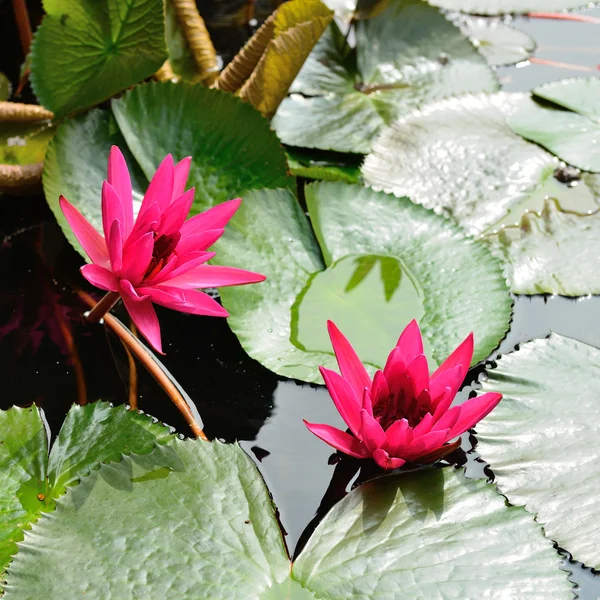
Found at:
(541, 440)
(430, 535)
(406, 55)
(580, 94)
(500, 7)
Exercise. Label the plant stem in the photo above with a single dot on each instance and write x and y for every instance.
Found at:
(23, 24)
(562, 65)
(101, 308)
(564, 17)
(142, 354)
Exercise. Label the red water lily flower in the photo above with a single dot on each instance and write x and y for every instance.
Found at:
(403, 415)
(159, 256)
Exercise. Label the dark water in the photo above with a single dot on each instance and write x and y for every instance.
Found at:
(237, 398)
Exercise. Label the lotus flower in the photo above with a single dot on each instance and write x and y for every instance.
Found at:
(158, 257)
(403, 414)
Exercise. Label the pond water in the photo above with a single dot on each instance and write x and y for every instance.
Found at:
(237, 398)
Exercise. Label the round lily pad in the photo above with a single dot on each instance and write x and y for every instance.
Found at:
(460, 157)
(407, 54)
(373, 263)
(542, 439)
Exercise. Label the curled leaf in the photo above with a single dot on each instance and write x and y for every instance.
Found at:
(15, 111)
(264, 69)
(198, 40)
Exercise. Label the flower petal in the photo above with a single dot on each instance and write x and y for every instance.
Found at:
(143, 314)
(187, 301)
(136, 258)
(213, 218)
(180, 177)
(424, 425)
(418, 374)
(342, 441)
(398, 436)
(426, 444)
(410, 341)
(118, 177)
(91, 240)
(198, 241)
(380, 388)
(100, 277)
(394, 366)
(443, 405)
(344, 398)
(451, 378)
(115, 246)
(207, 276)
(461, 356)
(383, 459)
(174, 217)
(473, 410)
(178, 265)
(160, 190)
(112, 209)
(350, 365)
(371, 433)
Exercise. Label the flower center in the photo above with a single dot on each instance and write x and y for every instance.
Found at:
(391, 408)
(164, 246)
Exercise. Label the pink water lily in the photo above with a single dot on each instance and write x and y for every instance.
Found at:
(403, 414)
(158, 257)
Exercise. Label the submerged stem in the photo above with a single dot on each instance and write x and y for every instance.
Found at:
(145, 357)
(561, 65)
(23, 24)
(102, 307)
(564, 17)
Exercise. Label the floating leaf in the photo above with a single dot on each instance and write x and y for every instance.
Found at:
(282, 322)
(405, 56)
(541, 441)
(85, 52)
(573, 137)
(579, 94)
(206, 529)
(264, 69)
(498, 42)
(232, 146)
(501, 7)
(430, 534)
(459, 156)
(30, 481)
(552, 252)
(328, 166)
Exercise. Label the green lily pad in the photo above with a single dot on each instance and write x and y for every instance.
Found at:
(460, 157)
(502, 7)
(85, 52)
(326, 166)
(499, 43)
(552, 252)
(431, 534)
(580, 94)
(573, 137)
(24, 143)
(31, 481)
(541, 441)
(282, 322)
(232, 146)
(405, 56)
(207, 529)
